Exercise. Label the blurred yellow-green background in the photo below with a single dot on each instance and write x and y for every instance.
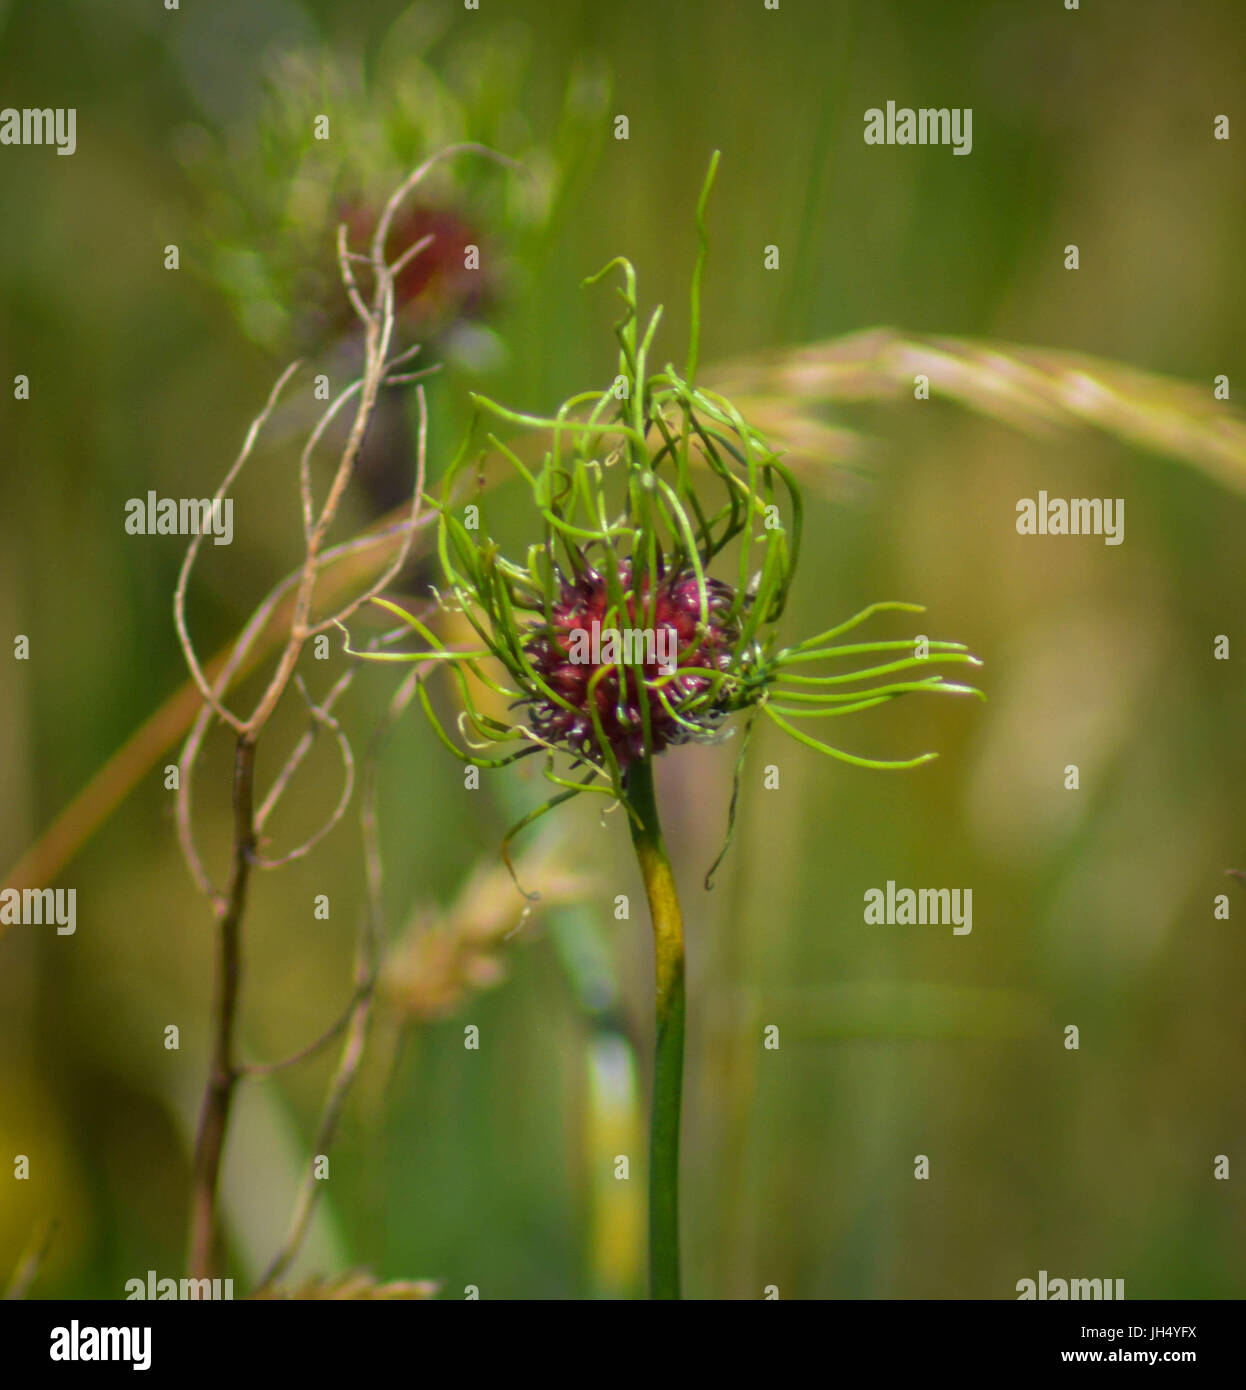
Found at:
(1095, 907)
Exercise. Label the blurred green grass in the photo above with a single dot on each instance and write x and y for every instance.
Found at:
(1092, 907)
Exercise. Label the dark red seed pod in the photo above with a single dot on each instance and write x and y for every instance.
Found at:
(572, 654)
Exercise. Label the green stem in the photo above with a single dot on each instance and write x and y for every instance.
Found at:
(668, 1068)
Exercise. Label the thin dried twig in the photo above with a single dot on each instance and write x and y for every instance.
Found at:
(250, 646)
(252, 1070)
(368, 953)
(192, 551)
(378, 318)
(322, 718)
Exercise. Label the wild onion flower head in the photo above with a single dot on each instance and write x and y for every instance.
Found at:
(604, 694)
(643, 615)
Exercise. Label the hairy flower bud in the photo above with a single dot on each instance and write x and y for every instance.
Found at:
(655, 655)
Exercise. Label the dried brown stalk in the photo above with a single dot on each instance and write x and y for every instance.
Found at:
(229, 905)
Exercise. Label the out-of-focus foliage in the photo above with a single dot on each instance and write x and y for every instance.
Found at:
(1039, 390)
(357, 1284)
(1095, 907)
(445, 954)
(329, 139)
